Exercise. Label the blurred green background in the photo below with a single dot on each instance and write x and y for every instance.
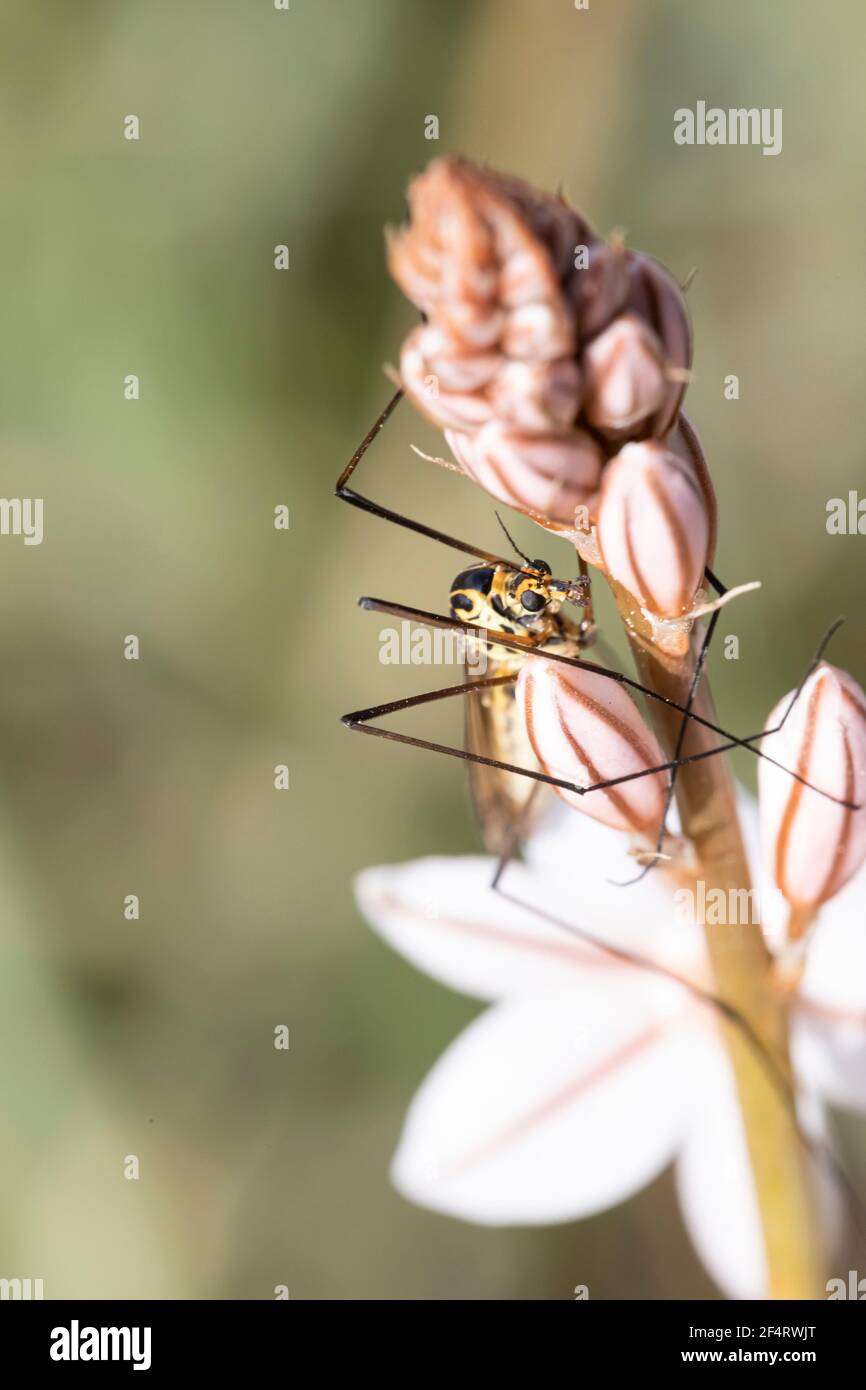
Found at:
(155, 777)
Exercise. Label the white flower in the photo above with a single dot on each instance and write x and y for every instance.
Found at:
(589, 1074)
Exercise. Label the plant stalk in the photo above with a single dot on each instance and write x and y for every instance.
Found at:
(742, 968)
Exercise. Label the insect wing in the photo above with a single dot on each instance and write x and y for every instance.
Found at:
(494, 729)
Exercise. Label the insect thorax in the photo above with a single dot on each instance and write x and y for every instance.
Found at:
(496, 597)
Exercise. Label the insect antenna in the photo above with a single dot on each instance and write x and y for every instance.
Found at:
(512, 542)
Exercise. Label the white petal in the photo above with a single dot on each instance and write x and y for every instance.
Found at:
(830, 1058)
(590, 863)
(717, 1191)
(835, 975)
(545, 1111)
(442, 916)
(774, 909)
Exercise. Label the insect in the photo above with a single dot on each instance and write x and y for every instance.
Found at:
(515, 610)
(514, 602)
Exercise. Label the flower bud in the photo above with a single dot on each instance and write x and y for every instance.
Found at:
(537, 396)
(599, 289)
(653, 527)
(478, 327)
(813, 845)
(557, 225)
(545, 475)
(656, 297)
(683, 440)
(624, 375)
(444, 380)
(484, 256)
(537, 333)
(585, 728)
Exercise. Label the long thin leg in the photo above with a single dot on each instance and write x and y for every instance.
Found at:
(703, 653)
(365, 504)
(347, 494)
(399, 610)
(818, 1149)
(360, 722)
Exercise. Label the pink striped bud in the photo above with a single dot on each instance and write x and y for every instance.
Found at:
(484, 256)
(654, 527)
(656, 297)
(478, 327)
(624, 375)
(547, 476)
(599, 289)
(537, 333)
(683, 440)
(814, 846)
(585, 728)
(537, 396)
(446, 381)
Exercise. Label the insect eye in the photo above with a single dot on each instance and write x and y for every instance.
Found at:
(532, 601)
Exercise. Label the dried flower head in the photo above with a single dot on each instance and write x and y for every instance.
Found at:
(545, 347)
(484, 256)
(445, 381)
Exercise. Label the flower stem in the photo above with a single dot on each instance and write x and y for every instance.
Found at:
(742, 968)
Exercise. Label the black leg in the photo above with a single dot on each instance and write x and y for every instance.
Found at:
(359, 721)
(399, 610)
(347, 494)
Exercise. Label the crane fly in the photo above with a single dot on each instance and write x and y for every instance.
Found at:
(517, 602)
(516, 610)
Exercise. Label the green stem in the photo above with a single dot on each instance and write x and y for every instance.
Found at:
(742, 968)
